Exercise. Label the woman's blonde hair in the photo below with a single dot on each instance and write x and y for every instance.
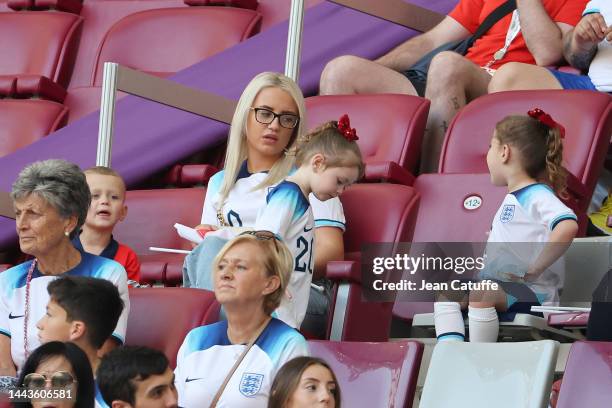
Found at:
(332, 144)
(237, 147)
(540, 147)
(277, 261)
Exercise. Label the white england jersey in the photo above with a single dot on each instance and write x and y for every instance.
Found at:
(526, 218)
(12, 299)
(243, 204)
(206, 357)
(288, 215)
(600, 70)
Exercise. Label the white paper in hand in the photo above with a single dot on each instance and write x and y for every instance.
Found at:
(188, 233)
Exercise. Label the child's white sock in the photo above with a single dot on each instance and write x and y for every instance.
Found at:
(448, 321)
(483, 324)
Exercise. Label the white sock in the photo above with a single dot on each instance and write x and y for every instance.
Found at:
(483, 324)
(448, 321)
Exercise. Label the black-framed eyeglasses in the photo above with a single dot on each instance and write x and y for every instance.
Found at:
(59, 379)
(266, 116)
(263, 235)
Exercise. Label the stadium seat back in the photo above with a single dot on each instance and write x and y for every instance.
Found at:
(373, 374)
(390, 127)
(161, 317)
(587, 381)
(39, 43)
(24, 121)
(586, 116)
(375, 213)
(484, 375)
(164, 41)
(150, 222)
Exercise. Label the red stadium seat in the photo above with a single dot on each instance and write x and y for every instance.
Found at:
(586, 116)
(373, 374)
(587, 381)
(161, 317)
(70, 6)
(165, 41)
(39, 43)
(276, 11)
(375, 213)
(390, 127)
(25, 121)
(152, 215)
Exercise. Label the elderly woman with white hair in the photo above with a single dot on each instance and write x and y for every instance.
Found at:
(51, 199)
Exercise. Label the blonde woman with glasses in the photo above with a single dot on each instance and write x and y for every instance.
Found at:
(269, 118)
(232, 363)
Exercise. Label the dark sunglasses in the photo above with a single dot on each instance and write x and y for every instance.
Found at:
(59, 379)
(263, 236)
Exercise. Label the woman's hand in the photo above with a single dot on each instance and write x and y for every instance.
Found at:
(202, 229)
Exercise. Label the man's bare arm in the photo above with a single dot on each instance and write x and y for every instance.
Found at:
(405, 55)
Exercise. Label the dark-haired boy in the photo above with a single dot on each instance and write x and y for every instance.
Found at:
(136, 377)
(82, 310)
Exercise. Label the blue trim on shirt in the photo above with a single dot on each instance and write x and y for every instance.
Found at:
(560, 218)
(590, 11)
(290, 194)
(324, 222)
(5, 332)
(98, 396)
(525, 194)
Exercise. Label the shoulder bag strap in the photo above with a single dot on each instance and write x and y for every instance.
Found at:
(496, 15)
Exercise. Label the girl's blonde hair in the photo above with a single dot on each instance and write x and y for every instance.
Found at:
(277, 261)
(332, 144)
(540, 147)
(237, 146)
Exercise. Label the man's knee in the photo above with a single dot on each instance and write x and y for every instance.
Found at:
(338, 73)
(506, 77)
(449, 67)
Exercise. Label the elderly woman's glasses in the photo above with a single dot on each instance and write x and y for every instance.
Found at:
(59, 379)
(263, 236)
(266, 116)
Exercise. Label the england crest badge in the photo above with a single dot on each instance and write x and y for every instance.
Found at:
(250, 384)
(507, 213)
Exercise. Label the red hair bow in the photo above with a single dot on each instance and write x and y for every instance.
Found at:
(344, 126)
(546, 119)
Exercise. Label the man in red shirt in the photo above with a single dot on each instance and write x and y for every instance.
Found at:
(453, 80)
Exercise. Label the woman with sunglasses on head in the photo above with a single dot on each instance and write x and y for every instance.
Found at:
(232, 363)
(269, 118)
(58, 369)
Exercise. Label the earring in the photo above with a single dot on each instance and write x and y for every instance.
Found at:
(66, 233)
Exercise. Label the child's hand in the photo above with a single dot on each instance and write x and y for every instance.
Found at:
(591, 30)
(202, 229)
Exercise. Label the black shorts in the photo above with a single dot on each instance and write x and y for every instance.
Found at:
(418, 83)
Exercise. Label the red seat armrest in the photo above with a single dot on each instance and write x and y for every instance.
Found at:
(193, 174)
(344, 271)
(389, 172)
(568, 319)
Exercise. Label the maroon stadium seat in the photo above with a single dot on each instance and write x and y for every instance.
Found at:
(390, 127)
(587, 381)
(276, 11)
(152, 215)
(373, 374)
(165, 41)
(39, 43)
(586, 116)
(25, 121)
(375, 213)
(161, 317)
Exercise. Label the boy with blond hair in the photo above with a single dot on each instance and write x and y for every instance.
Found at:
(107, 208)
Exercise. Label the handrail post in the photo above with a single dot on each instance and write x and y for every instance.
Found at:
(107, 114)
(294, 40)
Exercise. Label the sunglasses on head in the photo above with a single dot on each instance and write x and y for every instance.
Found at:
(59, 379)
(263, 236)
